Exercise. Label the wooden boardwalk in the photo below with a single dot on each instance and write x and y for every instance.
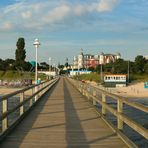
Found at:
(63, 118)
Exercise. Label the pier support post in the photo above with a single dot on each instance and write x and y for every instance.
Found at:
(103, 101)
(120, 110)
(31, 100)
(94, 102)
(36, 96)
(94, 93)
(21, 100)
(5, 120)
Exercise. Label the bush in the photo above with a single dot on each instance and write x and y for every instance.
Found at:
(1, 74)
(89, 77)
(138, 77)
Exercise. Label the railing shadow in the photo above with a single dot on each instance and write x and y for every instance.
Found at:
(19, 133)
(75, 135)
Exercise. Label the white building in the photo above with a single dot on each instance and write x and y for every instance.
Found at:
(146, 57)
(82, 60)
(78, 72)
(107, 58)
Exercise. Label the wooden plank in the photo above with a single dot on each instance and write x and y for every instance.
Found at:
(63, 118)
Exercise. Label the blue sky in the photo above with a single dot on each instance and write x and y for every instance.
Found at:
(65, 26)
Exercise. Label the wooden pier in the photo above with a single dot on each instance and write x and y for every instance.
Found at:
(62, 118)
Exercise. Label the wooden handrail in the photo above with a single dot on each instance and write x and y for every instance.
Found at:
(4, 99)
(19, 91)
(121, 117)
(123, 99)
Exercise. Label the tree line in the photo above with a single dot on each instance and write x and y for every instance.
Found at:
(121, 66)
(19, 63)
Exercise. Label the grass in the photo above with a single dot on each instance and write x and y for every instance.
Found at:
(139, 77)
(15, 75)
(90, 77)
(96, 77)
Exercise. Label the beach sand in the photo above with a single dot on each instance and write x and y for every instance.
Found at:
(7, 90)
(134, 90)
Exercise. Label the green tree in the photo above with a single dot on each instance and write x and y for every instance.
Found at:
(60, 66)
(146, 67)
(139, 64)
(66, 62)
(109, 67)
(9, 64)
(120, 66)
(20, 54)
(91, 68)
(44, 65)
(2, 66)
(98, 68)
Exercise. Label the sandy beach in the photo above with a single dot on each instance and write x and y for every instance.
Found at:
(134, 90)
(7, 90)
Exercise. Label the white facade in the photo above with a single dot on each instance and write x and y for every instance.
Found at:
(80, 61)
(48, 73)
(146, 57)
(77, 72)
(107, 58)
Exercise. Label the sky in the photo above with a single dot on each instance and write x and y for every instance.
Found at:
(65, 26)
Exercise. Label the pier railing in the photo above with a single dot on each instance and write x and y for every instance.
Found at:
(14, 106)
(98, 96)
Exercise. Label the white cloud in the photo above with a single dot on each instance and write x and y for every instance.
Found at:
(56, 14)
(106, 5)
(6, 26)
(99, 6)
(26, 15)
(37, 13)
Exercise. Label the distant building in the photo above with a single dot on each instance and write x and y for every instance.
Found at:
(88, 60)
(78, 72)
(146, 57)
(80, 61)
(115, 80)
(107, 58)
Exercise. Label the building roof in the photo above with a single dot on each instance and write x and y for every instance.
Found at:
(115, 74)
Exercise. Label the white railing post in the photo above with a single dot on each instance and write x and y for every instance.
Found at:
(94, 101)
(5, 120)
(103, 101)
(88, 92)
(31, 100)
(80, 87)
(94, 93)
(36, 94)
(21, 100)
(120, 110)
(84, 92)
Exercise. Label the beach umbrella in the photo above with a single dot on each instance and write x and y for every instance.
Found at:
(32, 63)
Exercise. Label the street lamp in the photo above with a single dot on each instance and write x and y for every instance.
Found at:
(128, 71)
(36, 44)
(50, 63)
(54, 66)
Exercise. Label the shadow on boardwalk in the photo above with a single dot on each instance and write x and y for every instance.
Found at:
(75, 135)
(29, 120)
(63, 118)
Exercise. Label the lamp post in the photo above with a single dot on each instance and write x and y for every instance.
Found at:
(50, 63)
(128, 71)
(101, 75)
(54, 67)
(36, 44)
